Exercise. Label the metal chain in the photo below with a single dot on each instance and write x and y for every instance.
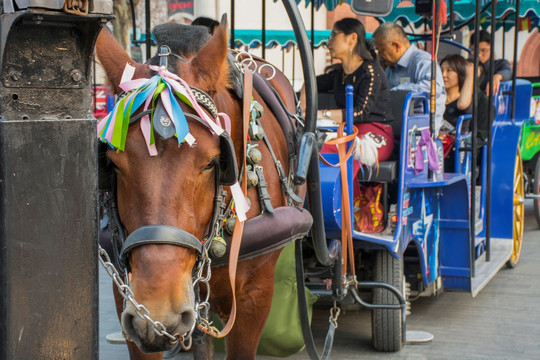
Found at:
(128, 295)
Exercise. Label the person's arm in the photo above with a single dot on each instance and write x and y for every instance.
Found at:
(422, 78)
(366, 95)
(503, 68)
(466, 93)
(503, 72)
(324, 84)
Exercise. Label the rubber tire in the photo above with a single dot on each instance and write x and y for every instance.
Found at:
(386, 325)
(518, 213)
(536, 191)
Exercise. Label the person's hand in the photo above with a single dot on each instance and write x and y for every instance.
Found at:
(496, 84)
(469, 69)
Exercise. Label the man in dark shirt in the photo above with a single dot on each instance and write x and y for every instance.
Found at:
(502, 70)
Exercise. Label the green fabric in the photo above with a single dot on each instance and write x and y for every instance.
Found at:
(530, 141)
(282, 334)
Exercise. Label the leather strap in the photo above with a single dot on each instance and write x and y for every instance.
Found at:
(304, 314)
(344, 155)
(239, 227)
(262, 187)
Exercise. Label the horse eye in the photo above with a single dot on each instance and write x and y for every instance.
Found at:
(211, 164)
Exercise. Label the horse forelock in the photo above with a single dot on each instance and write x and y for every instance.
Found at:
(187, 41)
(183, 40)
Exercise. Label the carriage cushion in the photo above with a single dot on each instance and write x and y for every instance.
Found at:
(268, 232)
(385, 173)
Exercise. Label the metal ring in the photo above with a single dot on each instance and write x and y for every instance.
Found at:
(251, 61)
(271, 67)
(241, 53)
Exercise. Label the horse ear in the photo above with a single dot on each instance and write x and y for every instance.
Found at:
(211, 62)
(113, 58)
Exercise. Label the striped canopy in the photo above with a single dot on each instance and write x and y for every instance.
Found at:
(464, 10)
(283, 38)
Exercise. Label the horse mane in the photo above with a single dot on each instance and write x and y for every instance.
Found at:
(187, 41)
(184, 40)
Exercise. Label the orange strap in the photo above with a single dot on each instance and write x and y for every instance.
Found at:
(239, 226)
(346, 234)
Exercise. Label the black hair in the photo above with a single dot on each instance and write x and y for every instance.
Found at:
(364, 48)
(458, 64)
(185, 40)
(204, 21)
(483, 36)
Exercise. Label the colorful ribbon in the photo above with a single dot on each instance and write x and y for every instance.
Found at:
(169, 88)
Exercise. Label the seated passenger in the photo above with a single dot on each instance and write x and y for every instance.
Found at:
(359, 67)
(408, 68)
(502, 71)
(459, 81)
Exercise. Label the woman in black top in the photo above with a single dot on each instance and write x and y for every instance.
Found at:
(359, 68)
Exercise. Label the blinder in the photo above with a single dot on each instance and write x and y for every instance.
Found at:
(228, 167)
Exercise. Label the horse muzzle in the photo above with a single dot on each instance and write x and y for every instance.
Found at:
(177, 320)
(143, 333)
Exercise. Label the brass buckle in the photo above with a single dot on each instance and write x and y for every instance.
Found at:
(76, 7)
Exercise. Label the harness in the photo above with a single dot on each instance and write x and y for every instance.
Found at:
(226, 174)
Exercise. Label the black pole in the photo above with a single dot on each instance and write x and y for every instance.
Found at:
(433, 88)
(282, 60)
(312, 27)
(293, 61)
(232, 24)
(148, 40)
(133, 23)
(514, 68)
(472, 215)
(490, 122)
(313, 177)
(263, 29)
(504, 39)
(452, 19)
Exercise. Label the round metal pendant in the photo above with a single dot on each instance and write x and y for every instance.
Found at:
(165, 121)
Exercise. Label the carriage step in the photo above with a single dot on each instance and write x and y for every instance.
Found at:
(500, 252)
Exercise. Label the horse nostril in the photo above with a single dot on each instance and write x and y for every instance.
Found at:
(128, 325)
(187, 317)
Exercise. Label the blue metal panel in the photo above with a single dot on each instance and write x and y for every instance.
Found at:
(506, 134)
(454, 250)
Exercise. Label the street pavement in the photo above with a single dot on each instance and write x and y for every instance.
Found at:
(502, 322)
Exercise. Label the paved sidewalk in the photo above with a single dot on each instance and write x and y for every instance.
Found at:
(502, 322)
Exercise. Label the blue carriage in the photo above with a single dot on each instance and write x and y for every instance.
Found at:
(435, 244)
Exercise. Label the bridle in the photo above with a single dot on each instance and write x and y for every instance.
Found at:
(226, 173)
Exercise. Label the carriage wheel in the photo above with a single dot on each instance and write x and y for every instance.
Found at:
(536, 190)
(386, 325)
(519, 212)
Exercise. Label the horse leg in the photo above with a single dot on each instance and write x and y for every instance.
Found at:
(254, 290)
(134, 352)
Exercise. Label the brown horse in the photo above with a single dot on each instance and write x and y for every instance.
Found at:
(176, 188)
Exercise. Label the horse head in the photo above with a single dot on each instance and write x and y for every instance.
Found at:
(166, 187)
